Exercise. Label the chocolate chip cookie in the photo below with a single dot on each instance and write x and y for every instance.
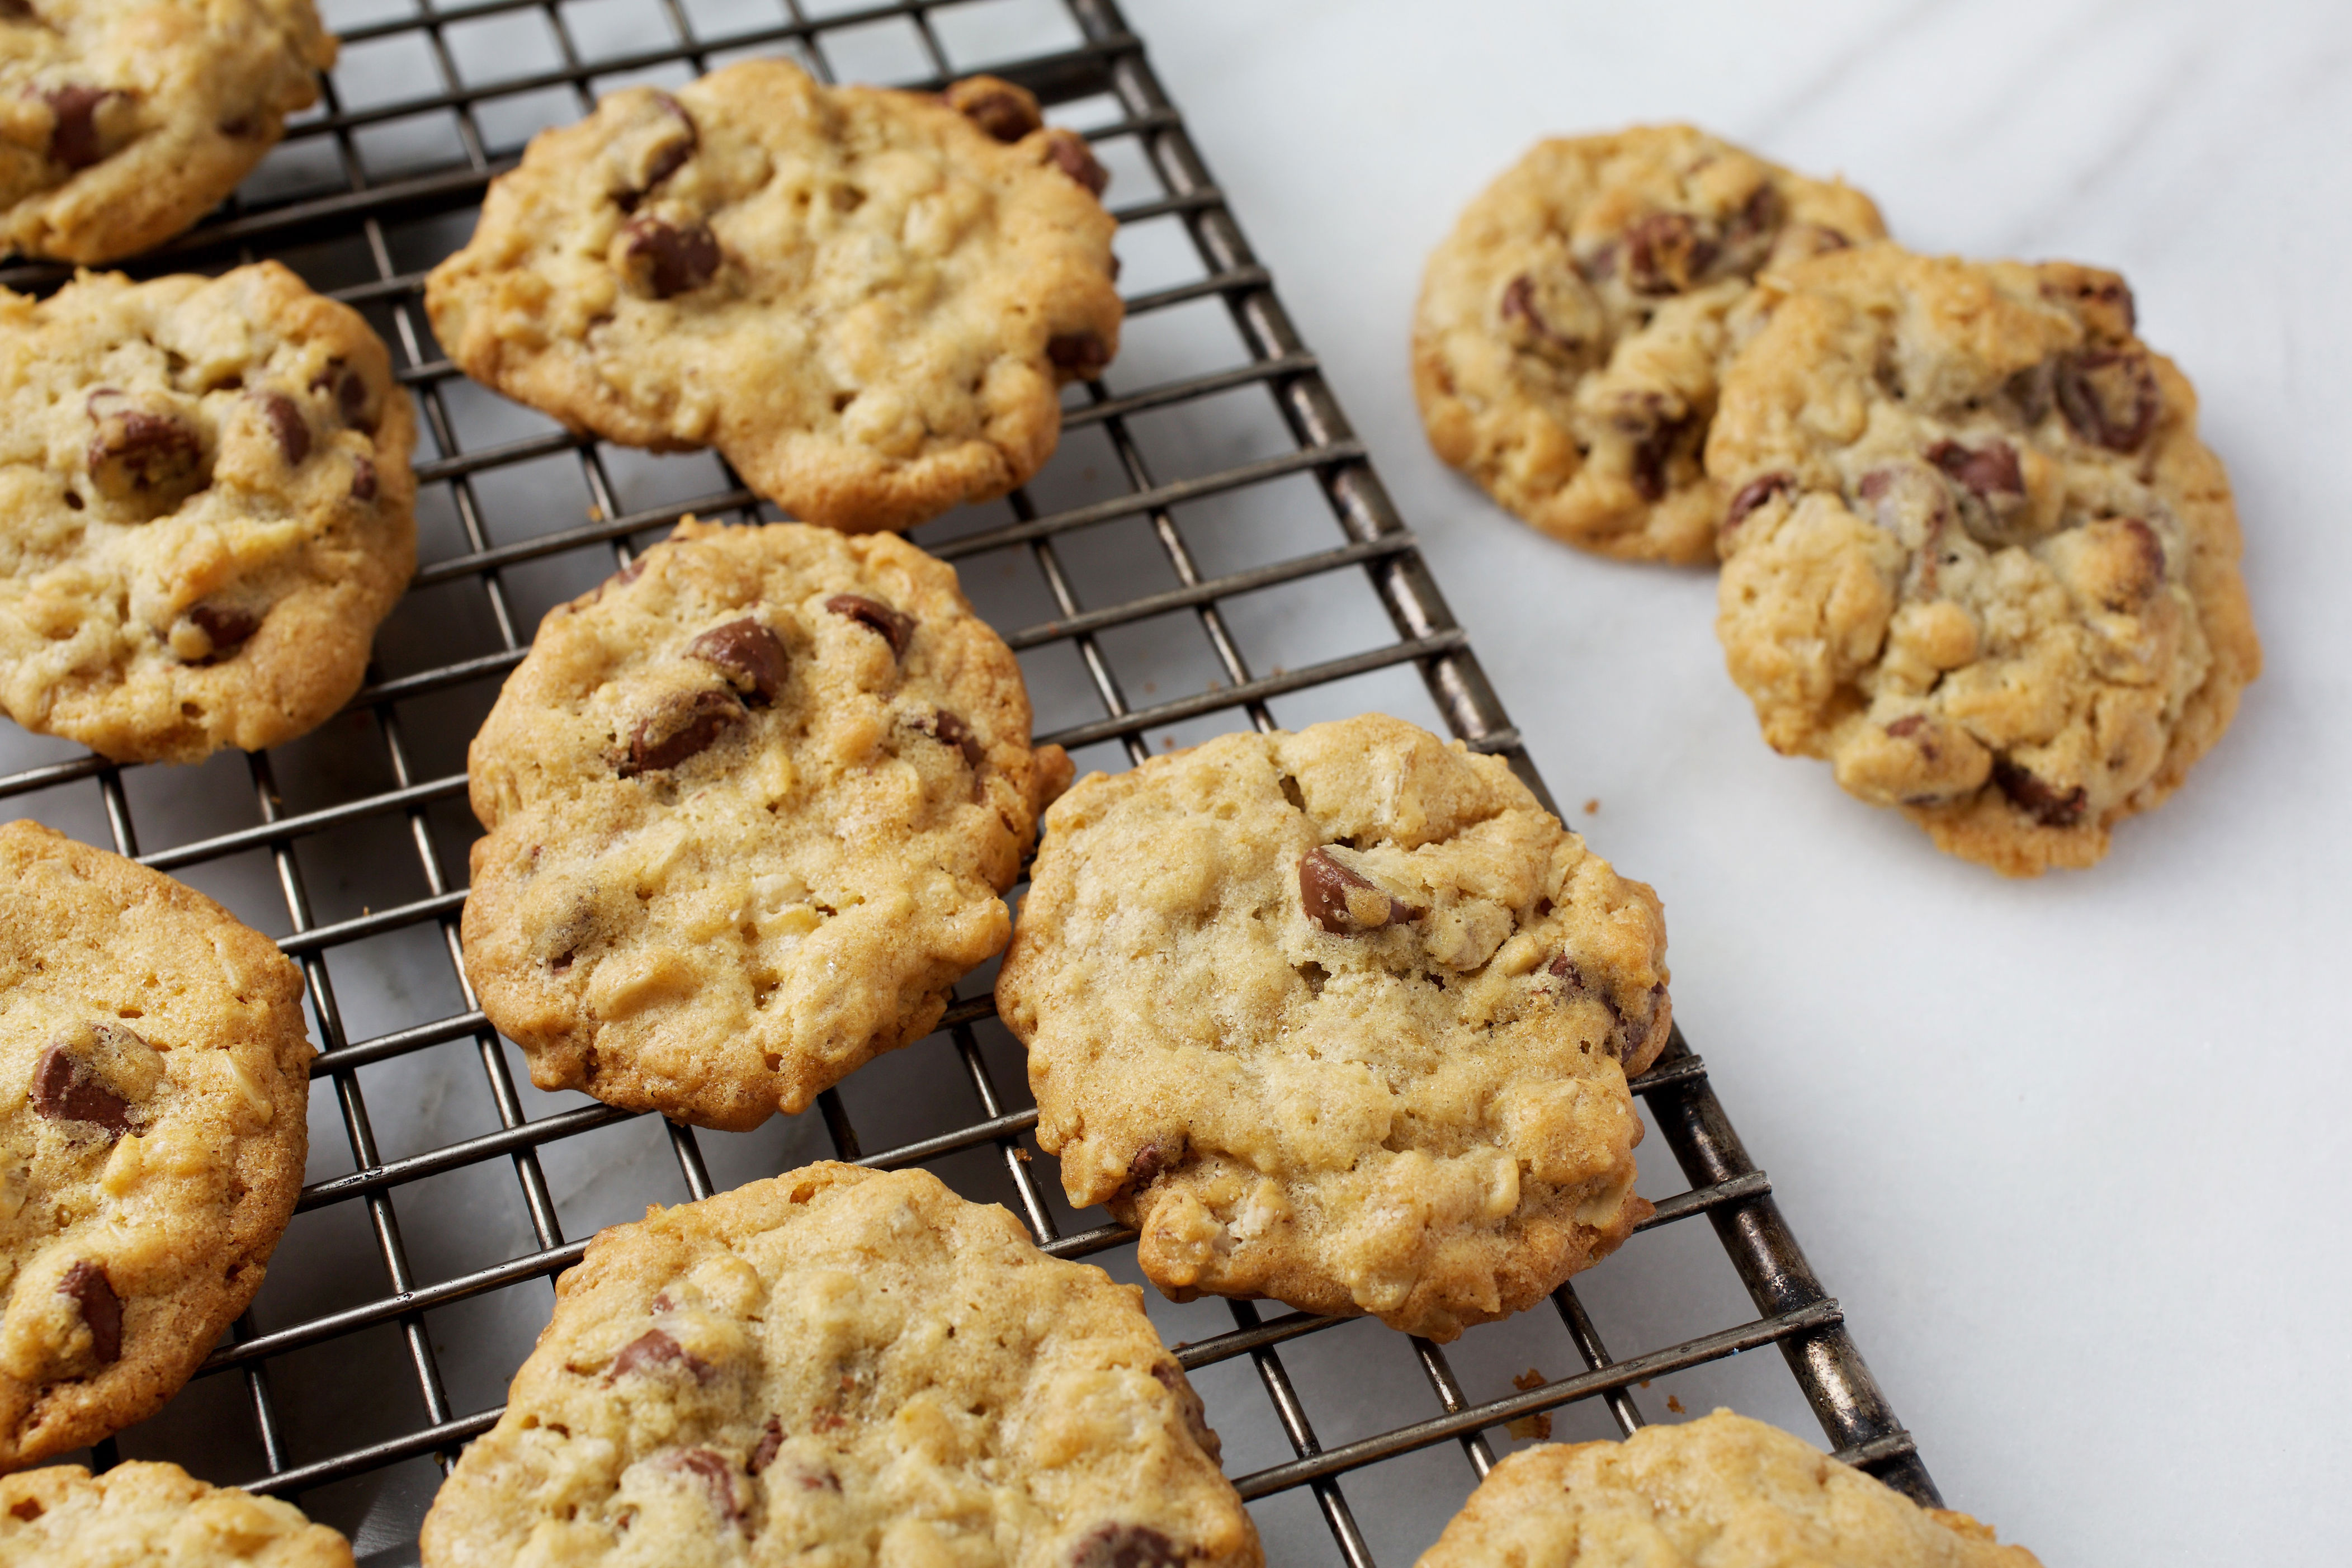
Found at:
(1572, 328)
(866, 300)
(153, 1078)
(1342, 1017)
(1569, 330)
(205, 507)
(123, 121)
(1976, 556)
(858, 1367)
(1721, 1490)
(751, 805)
(64, 1517)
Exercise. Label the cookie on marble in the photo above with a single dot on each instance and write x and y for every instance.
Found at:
(142, 1511)
(123, 121)
(866, 300)
(1976, 556)
(751, 805)
(1570, 328)
(205, 507)
(841, 1365)
(1343, 1018)
(154, 1076)
(1721, 1490)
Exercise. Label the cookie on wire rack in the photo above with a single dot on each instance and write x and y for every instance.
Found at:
(153, 1087)
(1976, 557)
(751, 805)
(206, 508)
(143, 1511)
(123, 121)
(1566, 345)
(866, 300)
(1343, 1018)
(1721, 1490)
(850, 1367)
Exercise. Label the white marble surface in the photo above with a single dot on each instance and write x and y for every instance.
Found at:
(2073, 1152)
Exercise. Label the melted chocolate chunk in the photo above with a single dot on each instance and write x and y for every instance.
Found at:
(1521, 308)
(1571, 979)
(670, 155)
(998, 108)
(681, 727)
(1655, 453)
(362, 480)
(286, 422)
(1989, 470)
(1128, 1546)
(64, 1090)
(1145, 1168)
(1342, 902)
(950, 730)
(154, 462)
(663, 258)
(748, 652)
(716, 1475)
(771, 1437)
(2109, 396)
(1755, 493)
(655, 1350)
(101, 1309)
(893, 627)
(230, 626)
(1665, 254)
(2047, 804)
(1079, 355)
(1069, 153)
(17, 11)
(73, 140)
(1170, 1376)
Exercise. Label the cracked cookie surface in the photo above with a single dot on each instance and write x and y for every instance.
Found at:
(1343, 1018)
(1976, 556)
(1719, 1490)
(751, 805)
(841, 1366)
(205, 507)
(1570, 329)
(866, 300)
(123, 121)
(155, 1074)
(142, 1511)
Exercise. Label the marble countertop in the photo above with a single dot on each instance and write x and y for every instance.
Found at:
(2071, 1153)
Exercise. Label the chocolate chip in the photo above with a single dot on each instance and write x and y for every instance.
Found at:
(2102, 299)
(1571, 979)
(716, 1475)
(73, 140)
(1522, 308)
(1754, 494)
(1665, 254)
(1748, 236)
(680, 727)
(950, 730)
(1655, 453)
(1001, 109)
(655, 1350)
(16, 11)
(362, 480)
(1128, 1546)
(2046, 803)
(101, 1309)
(1170, 1376)
(1989, 470)
(629, 574)
(230, 626)
(64, 1090)
(670, 153)
(663, 258)
(1343, 902)
(152, 460)
(1080, 356)
(748, 652)
(771, 1437)
(1909, 724)
(1069, 153)
(893, 628)
(2148, 555)
(1145, 1168)
(286, 422)
(2109, 396)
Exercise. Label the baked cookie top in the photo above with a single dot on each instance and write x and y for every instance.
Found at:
(1569, 330)
(154, 1079)
(1342, 1017)
(142, 1511)
(123, 121)
(858, 1366)
(1976, 556)
(751, 805)
(1721, 1490)
(864, 299)
(205, 507)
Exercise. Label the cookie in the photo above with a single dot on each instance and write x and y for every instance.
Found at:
(858, 1367)
(64, 1517)
(866, 300)
(1721, 1490)
(154, 1080)
(1976, 556)
(205, 507)
(123, 121)
(1342, 1017)
(1566, 346)
(751, 805)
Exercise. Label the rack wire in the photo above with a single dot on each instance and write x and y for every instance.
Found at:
(1183, 536)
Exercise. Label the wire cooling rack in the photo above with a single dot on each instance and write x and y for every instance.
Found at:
(1173, 573)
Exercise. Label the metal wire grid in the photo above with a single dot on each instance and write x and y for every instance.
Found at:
(1106, 61)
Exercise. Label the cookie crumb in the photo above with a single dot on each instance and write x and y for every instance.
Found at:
(1675, 1404)
(1592, 807)
(1535, 1428)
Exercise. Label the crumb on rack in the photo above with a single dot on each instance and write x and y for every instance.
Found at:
(1674, 1405)
(1592, 807)
(1535, 1428)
